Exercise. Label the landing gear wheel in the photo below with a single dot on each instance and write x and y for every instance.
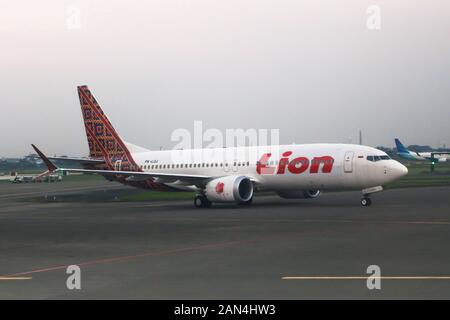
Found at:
(366, 201)
(201, 202)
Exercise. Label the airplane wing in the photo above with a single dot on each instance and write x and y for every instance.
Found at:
(142, 175)
(132, 175)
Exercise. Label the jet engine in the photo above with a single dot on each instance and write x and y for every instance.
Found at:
(442, 160)
(229, 189)
(299, 194)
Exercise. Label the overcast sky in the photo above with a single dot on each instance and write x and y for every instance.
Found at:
(309, 68)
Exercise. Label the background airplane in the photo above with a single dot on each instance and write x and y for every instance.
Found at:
(230, 174)
(434, 156)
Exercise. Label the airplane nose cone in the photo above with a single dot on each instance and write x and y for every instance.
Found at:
(403, 170)
(398, 170)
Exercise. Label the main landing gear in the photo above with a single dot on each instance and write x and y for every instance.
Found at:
(200, 201)
(366, 201)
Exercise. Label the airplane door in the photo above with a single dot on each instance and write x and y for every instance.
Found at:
(118, 165)
(235, 166)
(348, 162)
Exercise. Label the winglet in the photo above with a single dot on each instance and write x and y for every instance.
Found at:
(51, 167)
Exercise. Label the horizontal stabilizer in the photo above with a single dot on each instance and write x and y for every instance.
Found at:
(81, 161)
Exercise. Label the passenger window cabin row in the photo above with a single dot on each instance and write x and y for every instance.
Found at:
(192, 165)
(215, 165)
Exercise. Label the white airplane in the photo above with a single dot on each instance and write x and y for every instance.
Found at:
(292, 171)
(435, 156)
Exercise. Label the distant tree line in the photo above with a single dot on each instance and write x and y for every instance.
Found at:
(30, 162)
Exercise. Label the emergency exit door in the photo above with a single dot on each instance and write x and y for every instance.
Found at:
(118, 165)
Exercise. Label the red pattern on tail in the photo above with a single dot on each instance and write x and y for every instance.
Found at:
(103, 140)
(105, 143)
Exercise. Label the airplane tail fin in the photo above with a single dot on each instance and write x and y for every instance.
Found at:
(104, 142)
(400, 147)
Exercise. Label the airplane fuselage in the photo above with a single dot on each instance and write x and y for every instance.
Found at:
(423, 156)
(309, 166)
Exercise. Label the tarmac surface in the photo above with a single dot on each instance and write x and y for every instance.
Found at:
(171, 250)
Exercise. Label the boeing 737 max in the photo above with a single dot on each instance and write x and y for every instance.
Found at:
(230, 174)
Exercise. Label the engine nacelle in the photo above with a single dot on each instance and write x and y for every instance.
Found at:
(442, 160)
(299, 194)
(229, 189)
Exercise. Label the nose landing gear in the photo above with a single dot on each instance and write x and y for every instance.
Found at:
(365, 200)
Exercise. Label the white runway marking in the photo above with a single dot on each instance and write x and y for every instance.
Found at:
(367, 277)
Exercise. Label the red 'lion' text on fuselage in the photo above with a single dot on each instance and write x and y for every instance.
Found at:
(295, 166)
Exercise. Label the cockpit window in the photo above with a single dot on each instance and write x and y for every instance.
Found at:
(378, 158)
